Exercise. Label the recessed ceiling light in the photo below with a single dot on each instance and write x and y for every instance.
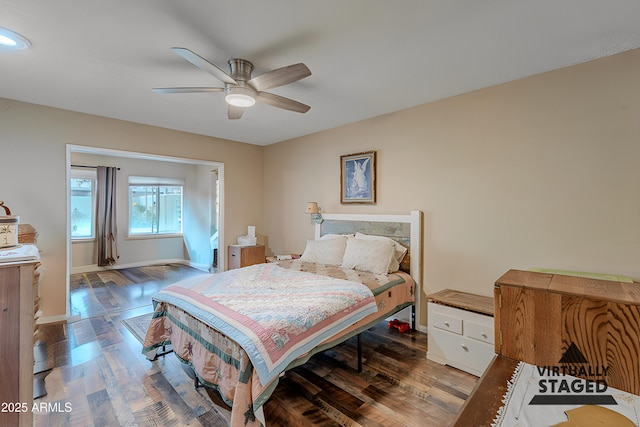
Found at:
(12, 40)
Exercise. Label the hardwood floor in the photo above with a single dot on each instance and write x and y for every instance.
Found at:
(108, 291)
(101, 378)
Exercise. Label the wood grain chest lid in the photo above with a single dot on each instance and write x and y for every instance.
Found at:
(525, 279)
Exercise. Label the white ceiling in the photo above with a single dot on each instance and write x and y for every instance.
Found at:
(368, 57)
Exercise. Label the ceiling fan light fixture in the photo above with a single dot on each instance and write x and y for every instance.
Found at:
(240, 100)
(240, 96)
(243, 91)
(12, 40)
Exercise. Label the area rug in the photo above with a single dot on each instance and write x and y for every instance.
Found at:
(138, 325)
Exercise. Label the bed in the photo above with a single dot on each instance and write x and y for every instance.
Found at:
(242, 329)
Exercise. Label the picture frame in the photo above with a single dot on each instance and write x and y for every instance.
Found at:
(358, 178)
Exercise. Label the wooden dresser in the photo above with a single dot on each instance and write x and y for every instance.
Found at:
(243, 256)
(18, 307)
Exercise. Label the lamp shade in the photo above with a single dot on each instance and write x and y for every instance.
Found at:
(312, 208)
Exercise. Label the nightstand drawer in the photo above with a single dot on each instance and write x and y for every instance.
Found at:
(460, 352)
(479, 331)
(447, 323)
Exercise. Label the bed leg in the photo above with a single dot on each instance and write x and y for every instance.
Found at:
(413, 317)
(359, 354)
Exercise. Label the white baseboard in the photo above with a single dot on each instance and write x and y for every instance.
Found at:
(60, 318)
(94, 267)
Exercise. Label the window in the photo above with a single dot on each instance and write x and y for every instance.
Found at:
(83, 195)
(155, 207)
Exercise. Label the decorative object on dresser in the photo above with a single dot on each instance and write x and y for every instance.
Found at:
(461, 331)
(8, 228)
(27, 234)
(358, 178)
(243, 256)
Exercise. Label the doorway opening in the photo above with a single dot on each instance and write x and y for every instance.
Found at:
(201, 212)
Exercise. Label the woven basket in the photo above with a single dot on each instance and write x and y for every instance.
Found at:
(27, 234)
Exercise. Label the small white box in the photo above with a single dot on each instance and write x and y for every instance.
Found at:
(247, 241)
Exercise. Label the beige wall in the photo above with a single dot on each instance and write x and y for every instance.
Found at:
(540, 172)
(33, 176)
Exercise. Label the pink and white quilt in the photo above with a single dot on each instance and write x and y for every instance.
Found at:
(275, 314)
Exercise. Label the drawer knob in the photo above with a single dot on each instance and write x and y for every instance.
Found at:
(464, 347)
(446, 324)
(484, 335)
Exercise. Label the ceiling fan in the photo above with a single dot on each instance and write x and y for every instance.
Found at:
(241, 89)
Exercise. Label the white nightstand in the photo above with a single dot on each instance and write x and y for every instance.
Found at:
(461, 330)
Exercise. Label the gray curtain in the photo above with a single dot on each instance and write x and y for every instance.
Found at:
(106, 218)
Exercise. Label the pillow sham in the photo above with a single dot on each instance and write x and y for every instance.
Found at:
(370, 255)
(399, 250)
(328, 251)
(336, 236)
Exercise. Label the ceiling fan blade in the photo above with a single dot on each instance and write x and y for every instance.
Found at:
(282, 102)
(280, 77)
(187, 89)
(235, 112)
(203, 64)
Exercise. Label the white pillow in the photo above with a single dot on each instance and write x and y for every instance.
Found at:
(369, 255)
(336, 236)
(399, 253)
(329, 251)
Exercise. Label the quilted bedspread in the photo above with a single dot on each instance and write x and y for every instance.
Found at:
(247, 305)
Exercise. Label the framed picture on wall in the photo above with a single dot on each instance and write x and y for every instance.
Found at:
(358, 178)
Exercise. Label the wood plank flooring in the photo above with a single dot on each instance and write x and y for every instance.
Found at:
(100, 378)
(108, 291)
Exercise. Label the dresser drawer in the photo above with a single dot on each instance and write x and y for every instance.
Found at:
(445, 322)
(479, 331)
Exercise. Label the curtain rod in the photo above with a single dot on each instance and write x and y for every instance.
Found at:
(84, 166)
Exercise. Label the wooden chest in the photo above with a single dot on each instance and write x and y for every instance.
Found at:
(552, 319)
